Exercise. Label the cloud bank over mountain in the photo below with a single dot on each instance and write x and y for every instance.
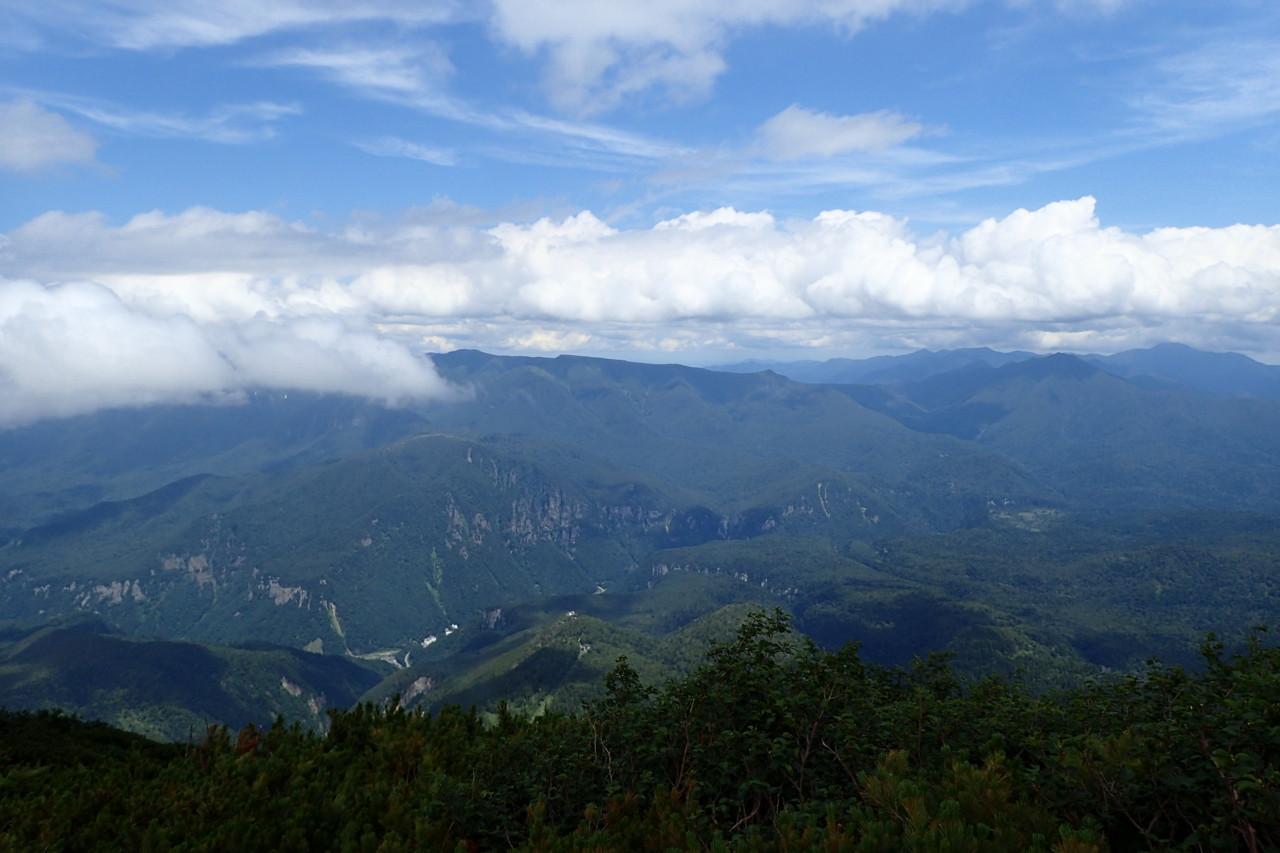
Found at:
(205, 303)
(77, 347)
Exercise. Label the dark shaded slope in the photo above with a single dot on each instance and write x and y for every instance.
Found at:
(170, 690)
(1121, 588)
(134, 511)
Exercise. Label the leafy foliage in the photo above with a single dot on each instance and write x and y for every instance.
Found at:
(770, 745)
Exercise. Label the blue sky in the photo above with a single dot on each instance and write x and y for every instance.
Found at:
(690, 180)
(1164, 111)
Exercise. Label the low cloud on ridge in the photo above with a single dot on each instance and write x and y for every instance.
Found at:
(75, 348)
(206, 303)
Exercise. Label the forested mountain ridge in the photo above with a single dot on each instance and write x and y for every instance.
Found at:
(597, 465)
(722, 434)
(1035, 513)
(61, 465)
(1101, 440)
(1164, 366)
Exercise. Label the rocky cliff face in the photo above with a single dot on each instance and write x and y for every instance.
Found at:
(372, 554)
(345, 560)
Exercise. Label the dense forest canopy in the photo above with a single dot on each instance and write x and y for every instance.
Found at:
(770, 744)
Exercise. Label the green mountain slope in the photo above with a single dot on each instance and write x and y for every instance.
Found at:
(599, 463)
(554, 653)
(729, 436)
(1101, 441)
(988, 511)
(377, 550)
(169, 690)
(67, 464)
(1118, 589)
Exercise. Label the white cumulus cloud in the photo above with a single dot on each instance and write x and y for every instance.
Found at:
(207, 302)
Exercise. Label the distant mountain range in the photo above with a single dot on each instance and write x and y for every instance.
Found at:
(1055, 513)
(1164, 366)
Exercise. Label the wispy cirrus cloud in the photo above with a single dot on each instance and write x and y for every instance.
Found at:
(598, 55)
(594, 58)
(230, 124)
(155, 25)
(390, 146)
(1213, 88)
(35, 139)
(416, 77)
(798, 132)
(400, 72)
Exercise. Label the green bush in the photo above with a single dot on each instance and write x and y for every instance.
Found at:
(770, 745)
